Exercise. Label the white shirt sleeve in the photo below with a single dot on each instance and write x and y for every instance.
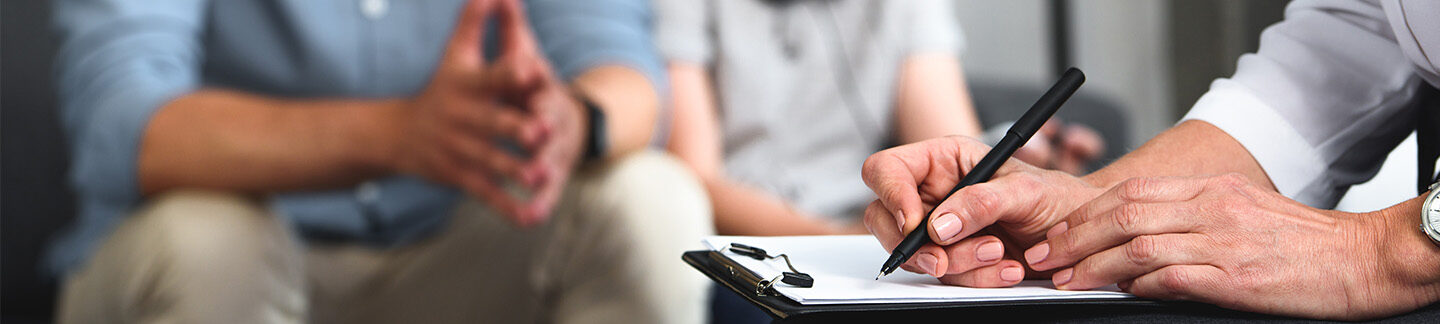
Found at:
(682, 30)
(1322, 102)
(932, 27)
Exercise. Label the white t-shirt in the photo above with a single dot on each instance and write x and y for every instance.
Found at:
(805, 88)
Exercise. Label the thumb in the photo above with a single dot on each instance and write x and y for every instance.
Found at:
(892, 176)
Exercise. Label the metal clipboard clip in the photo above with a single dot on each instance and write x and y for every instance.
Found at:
(793, 277)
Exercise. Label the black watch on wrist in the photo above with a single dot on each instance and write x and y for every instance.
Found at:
(597, 139)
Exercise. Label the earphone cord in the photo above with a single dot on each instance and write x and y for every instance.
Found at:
(848, 83)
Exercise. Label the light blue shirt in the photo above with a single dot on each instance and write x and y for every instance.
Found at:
(121, 60)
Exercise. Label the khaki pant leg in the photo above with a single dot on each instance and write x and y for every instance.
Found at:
(610, 254)
(473, 271)
(191, 257)
(620, 262)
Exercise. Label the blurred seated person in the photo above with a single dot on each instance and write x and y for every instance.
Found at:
(778, 103)
(367, 161)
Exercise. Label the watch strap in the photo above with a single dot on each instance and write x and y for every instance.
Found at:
(596, 137)
(1427, 134)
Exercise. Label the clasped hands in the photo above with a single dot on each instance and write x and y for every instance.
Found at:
(1215, 239)
(492, 126)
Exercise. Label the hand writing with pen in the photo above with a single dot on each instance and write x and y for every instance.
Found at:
(1222, 239)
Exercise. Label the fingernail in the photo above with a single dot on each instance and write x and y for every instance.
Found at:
(990, 252)
(1063, 277)
(1012, 274)
(927, 262)
(947, 225)
(1038, 253)
(1059, 228)
(900, 220)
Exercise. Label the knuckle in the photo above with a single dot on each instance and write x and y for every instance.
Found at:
(1141, 250)
(982, 200)
(893, 194)
(1249, 282)
(874, 166)
(1063, 245)
(1174, 281)
(1134, 189)
(1127, 218)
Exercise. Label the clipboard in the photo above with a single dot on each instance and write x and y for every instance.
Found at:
(746, 283)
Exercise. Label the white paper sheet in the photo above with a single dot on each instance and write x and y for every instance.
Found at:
(844, 269)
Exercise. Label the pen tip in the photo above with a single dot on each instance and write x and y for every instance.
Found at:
(877, 276)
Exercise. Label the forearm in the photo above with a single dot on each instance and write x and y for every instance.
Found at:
(694, 129)
(932, 100)
(235, 141)
(629, 101)
(1189, 149)
(743, 210)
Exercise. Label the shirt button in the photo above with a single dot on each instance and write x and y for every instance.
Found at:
(374, 9)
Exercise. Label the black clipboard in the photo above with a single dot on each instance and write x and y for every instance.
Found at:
(731, 275)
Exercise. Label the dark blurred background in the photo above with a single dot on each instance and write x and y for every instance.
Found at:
(34, 200)
(1152, 59)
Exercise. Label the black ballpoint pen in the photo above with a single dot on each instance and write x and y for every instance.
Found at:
(1014, 138)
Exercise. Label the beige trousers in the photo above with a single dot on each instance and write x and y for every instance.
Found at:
(609, 254)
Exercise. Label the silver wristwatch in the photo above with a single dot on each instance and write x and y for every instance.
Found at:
(1430, 214)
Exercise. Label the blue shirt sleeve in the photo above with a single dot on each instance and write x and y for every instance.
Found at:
(579, 35)
(119, 62)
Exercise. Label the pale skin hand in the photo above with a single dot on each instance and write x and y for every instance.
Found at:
(911, 181)
(1287, 258)
(932, 100)
(1031, 202)
(447, 133)
(1225, 241)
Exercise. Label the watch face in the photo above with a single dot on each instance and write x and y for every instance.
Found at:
(1431, 216)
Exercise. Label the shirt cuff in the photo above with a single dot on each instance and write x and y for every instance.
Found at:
(1293, 165)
